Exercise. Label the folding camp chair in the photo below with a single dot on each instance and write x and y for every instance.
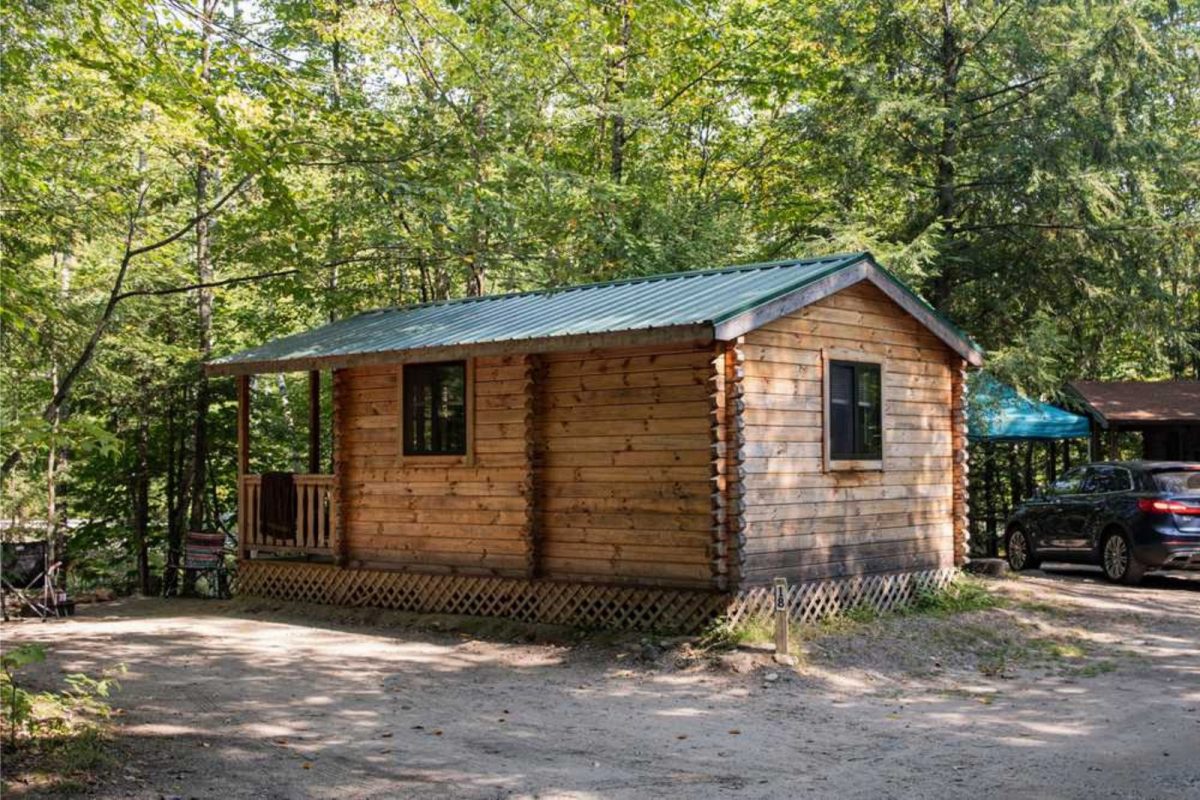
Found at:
(204, 554)
(28, 582)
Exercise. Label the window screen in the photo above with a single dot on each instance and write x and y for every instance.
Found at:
(855, 411)
(435, 408)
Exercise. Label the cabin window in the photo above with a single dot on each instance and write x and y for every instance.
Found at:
(855, 411)
(435, 409)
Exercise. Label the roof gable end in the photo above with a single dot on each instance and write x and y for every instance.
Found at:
(864, 268)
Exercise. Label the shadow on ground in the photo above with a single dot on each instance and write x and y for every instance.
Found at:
(234, 700)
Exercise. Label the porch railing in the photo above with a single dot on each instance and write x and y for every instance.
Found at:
(315, 515)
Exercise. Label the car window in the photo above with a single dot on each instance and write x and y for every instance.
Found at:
(1104, 479)
(1185, 482)
(1071, 483)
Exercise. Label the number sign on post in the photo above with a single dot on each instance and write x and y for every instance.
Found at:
(781, 617)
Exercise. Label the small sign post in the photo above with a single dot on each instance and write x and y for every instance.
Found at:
(781, 618)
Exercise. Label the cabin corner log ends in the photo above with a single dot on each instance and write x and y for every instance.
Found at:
(578, 604)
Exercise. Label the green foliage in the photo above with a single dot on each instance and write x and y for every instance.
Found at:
(16, 703)
(723, 634)
(55, 738)
(961, 596)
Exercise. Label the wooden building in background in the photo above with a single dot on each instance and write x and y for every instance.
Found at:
(645, 453)
(1165, 413)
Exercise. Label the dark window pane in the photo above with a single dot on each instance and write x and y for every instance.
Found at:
(435, 409)
(1182, 482)
(869, 422)
(855, 411)
(1110, 479)
(841, 411)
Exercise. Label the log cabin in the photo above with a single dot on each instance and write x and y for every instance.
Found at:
(649, 453)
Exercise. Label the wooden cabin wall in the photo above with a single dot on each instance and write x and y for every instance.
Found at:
(423, 513)
(625, 458)
(805, 523)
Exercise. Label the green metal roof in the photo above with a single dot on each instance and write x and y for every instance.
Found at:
(691, 302)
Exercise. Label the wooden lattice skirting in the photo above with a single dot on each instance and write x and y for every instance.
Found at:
(817, 600)
(579, 604)
(553, 602)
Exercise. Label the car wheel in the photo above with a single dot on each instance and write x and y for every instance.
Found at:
(1019, 551)
(1118, 561)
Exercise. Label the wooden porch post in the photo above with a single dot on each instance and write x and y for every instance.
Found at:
(1113, 449)
(243, 462)
(314, 422)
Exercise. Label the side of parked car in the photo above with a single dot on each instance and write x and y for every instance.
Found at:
(1127, 517)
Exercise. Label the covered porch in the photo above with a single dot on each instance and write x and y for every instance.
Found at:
(300, 522)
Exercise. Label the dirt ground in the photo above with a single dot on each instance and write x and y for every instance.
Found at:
(1073, 688)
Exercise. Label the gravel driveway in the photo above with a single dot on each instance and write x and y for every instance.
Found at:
(1073, 688)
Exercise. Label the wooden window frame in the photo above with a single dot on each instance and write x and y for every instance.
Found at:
(466, 459)
(828, 356)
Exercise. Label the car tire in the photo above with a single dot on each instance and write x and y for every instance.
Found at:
(1019, 551)
(1117, 560)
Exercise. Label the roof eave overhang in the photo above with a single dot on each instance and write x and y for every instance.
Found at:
(864, 269)
(1093, 412)
(693, 334)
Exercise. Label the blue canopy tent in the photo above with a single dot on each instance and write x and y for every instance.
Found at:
(998, 413)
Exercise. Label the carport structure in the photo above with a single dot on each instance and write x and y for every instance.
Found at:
(1165, 413)
(1004, 429)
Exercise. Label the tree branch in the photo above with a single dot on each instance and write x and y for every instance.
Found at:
(115, 296)
(1010, 88)
(179, 234)
(207, 285)
(990, 29)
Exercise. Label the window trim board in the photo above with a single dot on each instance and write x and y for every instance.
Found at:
(829, 355)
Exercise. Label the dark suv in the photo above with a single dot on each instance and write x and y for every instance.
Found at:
(1126, 516)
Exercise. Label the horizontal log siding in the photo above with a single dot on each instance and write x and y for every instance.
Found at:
(429, 514)
(624, 475)
(806, 524)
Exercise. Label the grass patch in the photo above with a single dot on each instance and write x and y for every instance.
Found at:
(53, 741)
(725, 635)
(963, 595)
(1040, 607)
(999, 654)
(1094, 669)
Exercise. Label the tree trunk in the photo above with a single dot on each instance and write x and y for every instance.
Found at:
(175, 503)
(55, 459)
(946, 202)
(618, 69)
(198, 516)
(334, 222)
(141, 501)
